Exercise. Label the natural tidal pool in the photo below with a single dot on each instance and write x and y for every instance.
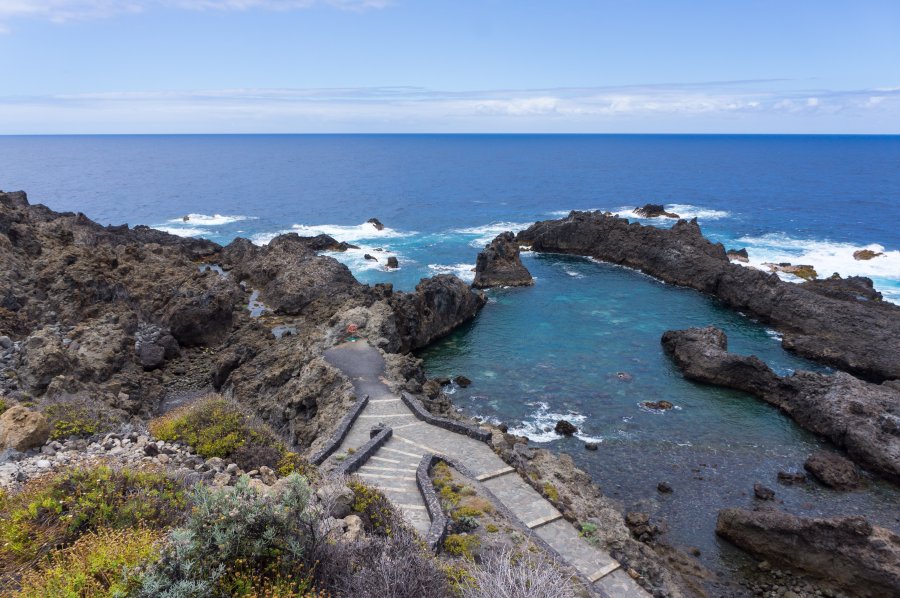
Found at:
(555, 351)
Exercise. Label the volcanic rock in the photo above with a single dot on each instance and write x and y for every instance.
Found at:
(866, 254)
(804, 271)
(739, 255)
(654, 210)
(860, 337)
(370, 258)
(376, 223)
(859, 416)
(565, 428)
(763, 493)
(499, 264)
(833, 470)
(462, 381)
(848, 551)
(22, 428)
(392, 262)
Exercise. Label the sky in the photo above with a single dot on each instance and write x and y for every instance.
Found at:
(449, 66)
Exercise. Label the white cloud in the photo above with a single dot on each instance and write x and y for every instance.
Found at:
(717, 107)
(61, 11)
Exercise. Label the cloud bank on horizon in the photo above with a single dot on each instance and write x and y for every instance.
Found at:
(716, 107)
(206, 85)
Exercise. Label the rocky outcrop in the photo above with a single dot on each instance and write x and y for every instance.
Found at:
(859, 336)
(439, 305)
(654, 210)
(851, 289)
(376, 223)
(833, 470)
(739, 255)
(804, 271)
(22, 428)
(500, 264)
(848, 551)
(859, 416)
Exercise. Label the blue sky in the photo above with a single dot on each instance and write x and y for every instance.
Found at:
(282, 66)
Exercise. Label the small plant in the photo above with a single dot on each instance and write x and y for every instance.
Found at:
(510, 573)
(3, 406)
(55, 511)
(491, 528)
(75, 416)
(239, 542)
(551, 492)
(463, 545)
(105, 563)
(216, 427)
(373, 507)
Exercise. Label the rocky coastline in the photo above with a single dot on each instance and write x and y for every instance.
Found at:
(103, 328)
(823, 320)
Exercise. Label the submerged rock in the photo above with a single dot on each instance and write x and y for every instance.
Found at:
(370, 258)
(762, 492)
(500, 264)
(654, 210)
(833, 470)
(848, 551)
(853, 414)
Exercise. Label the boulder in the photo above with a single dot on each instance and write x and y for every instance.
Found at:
(370, 258)
(833, 470)
(847, 551)
(392, 262)
(654, 210)
(499, 264)
(376, 223)
(462, 381)
(22, 428)
(763, 493)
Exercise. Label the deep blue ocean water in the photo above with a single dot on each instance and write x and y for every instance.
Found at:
(553, 350)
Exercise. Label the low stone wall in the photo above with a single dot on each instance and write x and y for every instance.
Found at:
(439, 520)
(362, 454)
(343, 428)
(438, 530)
(448, 424)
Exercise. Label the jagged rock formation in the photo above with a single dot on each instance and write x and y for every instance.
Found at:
(500, 264)
(654, 210)
(857, 335)
(862, 417)
(116, 316)
(848, 551)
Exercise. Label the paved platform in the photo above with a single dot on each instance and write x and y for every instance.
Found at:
(392, 470)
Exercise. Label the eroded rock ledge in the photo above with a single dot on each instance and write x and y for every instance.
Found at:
(846, 330)
(848, 551)
(862, 417)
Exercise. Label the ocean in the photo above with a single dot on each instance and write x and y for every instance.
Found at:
(553, 350)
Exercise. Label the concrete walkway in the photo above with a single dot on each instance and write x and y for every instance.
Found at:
(393, 469)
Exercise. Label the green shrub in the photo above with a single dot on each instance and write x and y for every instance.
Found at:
(3, 406)
(55, 510)
(551, 492)
(463, 545)
(77, 415)
(238, 542)
(215, 427)
(105, 563)
(374, 508)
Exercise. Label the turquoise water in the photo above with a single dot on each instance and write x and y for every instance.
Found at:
(553, 349)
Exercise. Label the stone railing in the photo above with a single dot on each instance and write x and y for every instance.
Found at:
(441, 422)
(378, 436)
(337, 437)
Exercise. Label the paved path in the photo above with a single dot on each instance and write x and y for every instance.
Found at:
(393, 470)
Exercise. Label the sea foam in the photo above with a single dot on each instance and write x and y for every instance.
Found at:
(463, 271)
(184, 231)
(205, 220)
(486, 233)
(539, 427)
